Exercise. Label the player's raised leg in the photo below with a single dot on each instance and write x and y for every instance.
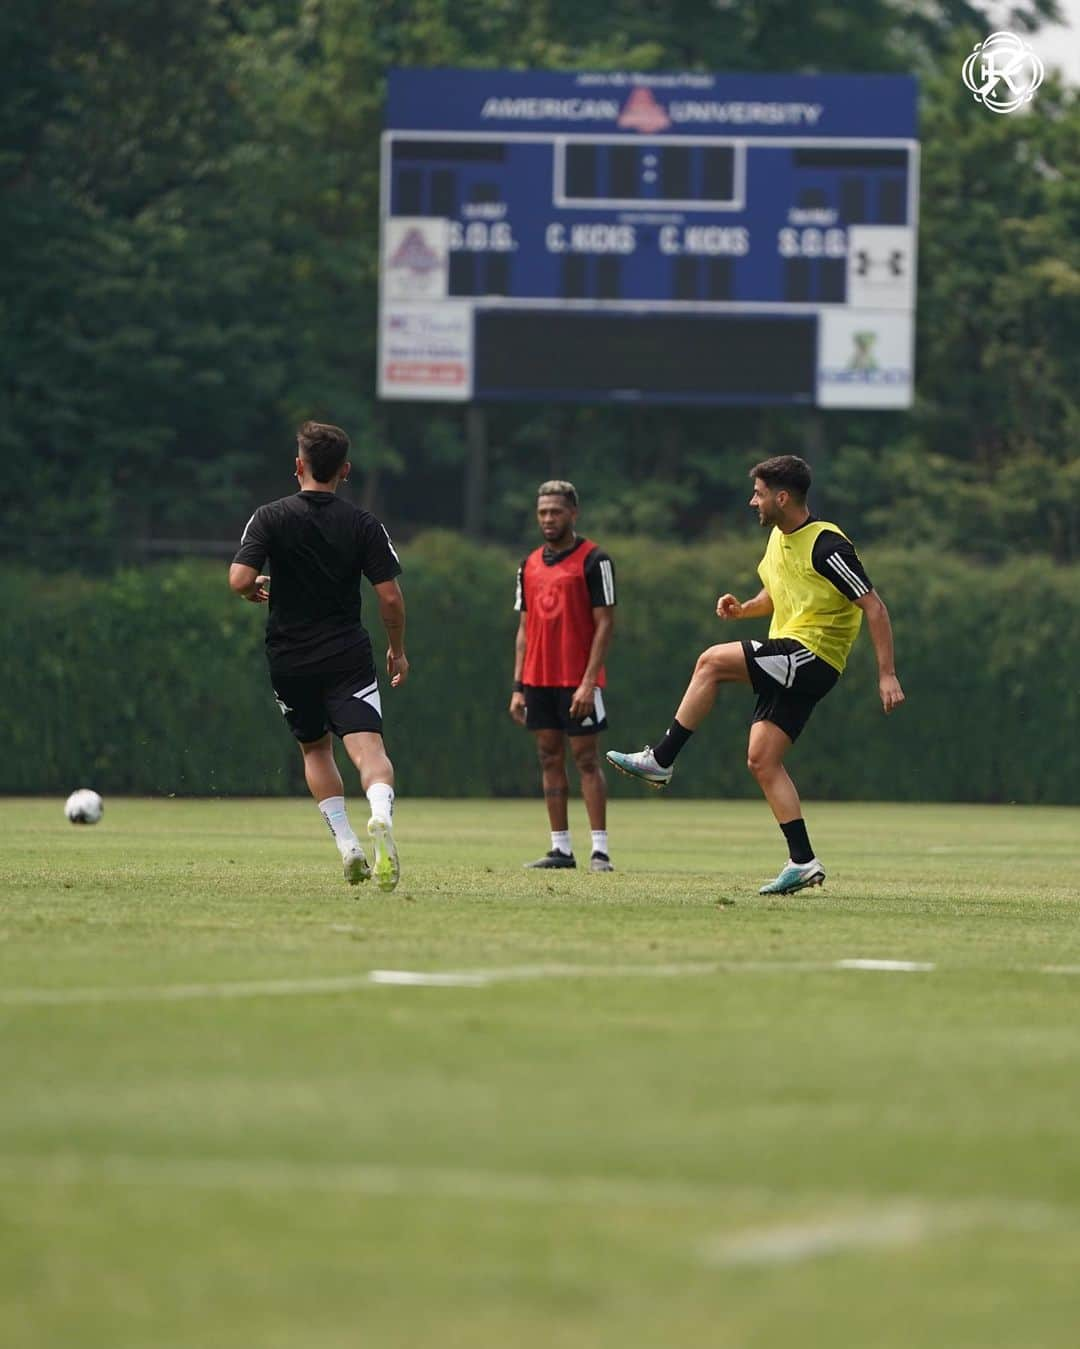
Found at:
(368, 754)
(551, 751)
(586, 752)
(721, 664)
(765, 759)
(325, 784)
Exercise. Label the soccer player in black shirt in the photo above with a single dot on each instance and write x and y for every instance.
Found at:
(321, 666)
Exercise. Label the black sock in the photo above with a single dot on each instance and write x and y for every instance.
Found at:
(673, 740)
(798, 841)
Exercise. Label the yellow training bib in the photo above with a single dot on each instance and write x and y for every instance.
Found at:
(805, 605)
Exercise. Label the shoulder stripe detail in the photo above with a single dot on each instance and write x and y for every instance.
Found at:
(842, 570)
(247, 526)
(607, 578)
(389, 544)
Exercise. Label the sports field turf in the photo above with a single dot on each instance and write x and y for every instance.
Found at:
(664, 1116)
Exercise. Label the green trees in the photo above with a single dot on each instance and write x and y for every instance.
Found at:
(188, 265)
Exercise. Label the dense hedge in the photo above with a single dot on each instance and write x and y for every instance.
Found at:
(153, 681)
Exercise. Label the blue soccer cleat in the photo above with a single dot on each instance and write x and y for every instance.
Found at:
(795, 876)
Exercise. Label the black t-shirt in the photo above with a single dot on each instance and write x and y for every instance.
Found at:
(318, 547)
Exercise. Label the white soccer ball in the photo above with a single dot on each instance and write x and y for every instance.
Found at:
(84, 807)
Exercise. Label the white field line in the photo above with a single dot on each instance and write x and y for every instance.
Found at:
(352, 983)
(900, 966)
(891, 1223)
(886, 1226)
(276, 1175)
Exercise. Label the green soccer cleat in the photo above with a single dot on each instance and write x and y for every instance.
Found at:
(355, 864)
(387, 868)
(795, 876)
(641, 765)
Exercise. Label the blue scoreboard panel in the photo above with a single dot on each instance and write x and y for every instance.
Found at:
(684, 238)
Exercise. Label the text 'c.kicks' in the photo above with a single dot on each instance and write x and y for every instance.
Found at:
(795, 876)
(552, 861)
(641, 765)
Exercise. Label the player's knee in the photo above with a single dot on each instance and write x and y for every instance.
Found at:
(587, 761)
(549, 757)
(760, 765)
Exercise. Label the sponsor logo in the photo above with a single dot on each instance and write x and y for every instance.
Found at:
(643, 113)
(1003, 72)
(862, 357)
(862, 366)
(415, 255)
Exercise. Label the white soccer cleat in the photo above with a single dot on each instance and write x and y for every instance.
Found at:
(795, 876)
(641, 764)
(387, 868)
(355, 864)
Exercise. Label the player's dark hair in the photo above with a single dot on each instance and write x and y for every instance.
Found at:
(784, 471)
(558, 487)
(323, 448)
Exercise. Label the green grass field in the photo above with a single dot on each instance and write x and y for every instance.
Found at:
(666, 1115)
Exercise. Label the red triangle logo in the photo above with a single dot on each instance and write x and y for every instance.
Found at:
(643, 113)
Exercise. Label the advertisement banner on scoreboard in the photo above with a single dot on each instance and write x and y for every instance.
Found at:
(865, 359)
(426, 351)
(416, 258)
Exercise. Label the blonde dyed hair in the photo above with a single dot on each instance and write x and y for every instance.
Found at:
(559, 487)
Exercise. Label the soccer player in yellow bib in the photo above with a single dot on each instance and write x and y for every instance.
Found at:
(815, 588)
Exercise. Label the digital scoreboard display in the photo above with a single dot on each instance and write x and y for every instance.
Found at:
(683, 238)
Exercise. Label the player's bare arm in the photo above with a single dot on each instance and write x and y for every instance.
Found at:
(248, 584)
(392, 613)
(877, 621)
(517, 698)
(583, 703)
(727, 606)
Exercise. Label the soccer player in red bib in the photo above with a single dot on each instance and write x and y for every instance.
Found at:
(566, 599)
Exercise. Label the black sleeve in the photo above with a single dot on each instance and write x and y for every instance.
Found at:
(519, 590)
(255, 541)
(381, 562)
(600, 578)
(835, 558)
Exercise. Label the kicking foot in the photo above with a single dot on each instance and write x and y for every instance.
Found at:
(387, 868)
(552, 861)
(355, 864)
(795, 876)
(600, 861)
(641, 765)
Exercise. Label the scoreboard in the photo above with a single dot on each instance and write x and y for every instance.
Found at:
(680, 238)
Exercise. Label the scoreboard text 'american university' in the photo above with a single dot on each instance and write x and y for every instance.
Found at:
(683, 238)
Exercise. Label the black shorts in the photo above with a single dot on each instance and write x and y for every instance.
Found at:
(548, 709)
(342, 701)
(789, 682)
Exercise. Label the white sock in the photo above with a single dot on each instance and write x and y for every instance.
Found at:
(599, 841)
(381, 799)
(333, 812)
(560, 841)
